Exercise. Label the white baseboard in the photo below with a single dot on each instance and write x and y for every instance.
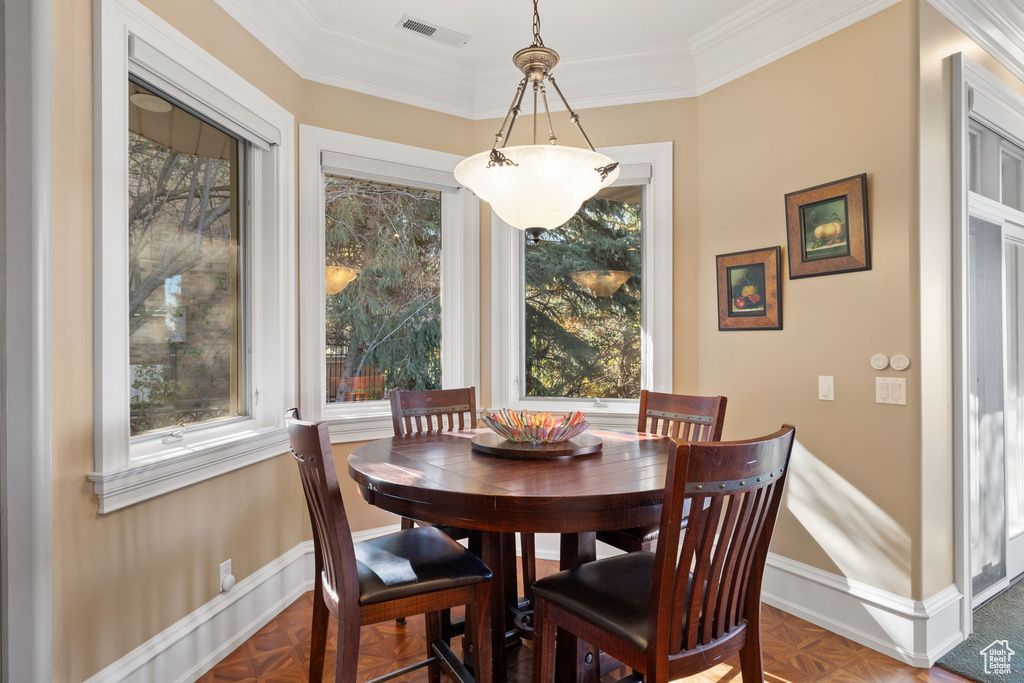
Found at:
(914, 631)
(548, 548)
(189, 648)
(917, 632)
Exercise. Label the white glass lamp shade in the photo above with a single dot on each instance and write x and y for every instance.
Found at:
(543, 190)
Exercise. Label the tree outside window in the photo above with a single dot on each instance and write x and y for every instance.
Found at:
(183, 267)
(583, 315)
(383, 307)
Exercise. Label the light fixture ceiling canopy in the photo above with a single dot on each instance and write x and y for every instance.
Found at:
(536, 187)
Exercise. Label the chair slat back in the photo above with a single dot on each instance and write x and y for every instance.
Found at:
(687, 418)
(442, 410)
(332, 537)
(734, 489)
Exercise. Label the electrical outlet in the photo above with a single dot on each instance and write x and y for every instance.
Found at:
(225, 571)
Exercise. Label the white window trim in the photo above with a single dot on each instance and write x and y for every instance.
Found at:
(507, 304)
(126, 472)
(460, 278)
(977, 94)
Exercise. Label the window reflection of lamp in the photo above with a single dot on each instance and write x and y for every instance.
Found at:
(339, 277)
(601, 282)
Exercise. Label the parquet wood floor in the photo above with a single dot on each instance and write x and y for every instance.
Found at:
(795, 651)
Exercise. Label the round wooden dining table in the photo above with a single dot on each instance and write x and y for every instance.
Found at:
(438, 478)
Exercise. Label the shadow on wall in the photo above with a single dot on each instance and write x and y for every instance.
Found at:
(863, 541)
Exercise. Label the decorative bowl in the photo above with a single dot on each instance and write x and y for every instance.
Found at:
(524, 427)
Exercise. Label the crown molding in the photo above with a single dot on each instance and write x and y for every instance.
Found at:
(766, 30)
(595, 80)
(996, 25)
(758, 34)
(278, 31)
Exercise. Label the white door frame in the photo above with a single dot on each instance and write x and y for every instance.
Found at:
(26, 400)
(973, 89)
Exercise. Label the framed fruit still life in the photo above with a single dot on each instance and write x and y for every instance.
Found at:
(749, 290)
(827, 228)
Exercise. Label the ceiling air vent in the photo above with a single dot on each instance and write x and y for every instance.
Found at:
(445, 36)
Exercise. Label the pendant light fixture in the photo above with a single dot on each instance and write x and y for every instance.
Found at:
(536, 187)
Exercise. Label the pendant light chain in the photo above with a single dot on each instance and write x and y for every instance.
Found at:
(537, 40)
(537, 62)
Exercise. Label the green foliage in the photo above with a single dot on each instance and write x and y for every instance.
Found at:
(578, 344)
(388, 320)
(151, 391)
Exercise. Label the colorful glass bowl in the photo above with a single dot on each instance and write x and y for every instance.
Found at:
(527, 427)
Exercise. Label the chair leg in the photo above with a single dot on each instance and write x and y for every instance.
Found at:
(406, 524)
(347, 665)
(751, 663)
(318, 634)
(529, 546)
(479, 624)
(543, 644)
(433, 620)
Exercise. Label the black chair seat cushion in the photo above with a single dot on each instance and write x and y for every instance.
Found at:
(413, 562)
(629, 538)
(634, 536)
(613, 594)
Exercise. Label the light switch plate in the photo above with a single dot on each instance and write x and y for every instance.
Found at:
(826, 388)
(891, 390)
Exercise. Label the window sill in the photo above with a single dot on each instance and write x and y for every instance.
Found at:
(183, 465)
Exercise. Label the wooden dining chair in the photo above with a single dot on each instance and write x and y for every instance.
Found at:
(685, 418)
(690, 605)
(416, 571)
(449, 410)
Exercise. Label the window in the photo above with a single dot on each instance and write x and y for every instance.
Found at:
(582, 331)
(194, 231)
(995, 167)
(185, 323)
(390, 281)
(574, 323)
(1012, 176)
(383, 283)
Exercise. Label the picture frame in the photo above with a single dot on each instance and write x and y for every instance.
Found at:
(827, 228)
(750, 290)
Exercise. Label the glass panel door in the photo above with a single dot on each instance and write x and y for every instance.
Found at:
(985, 416)
(1014, 288)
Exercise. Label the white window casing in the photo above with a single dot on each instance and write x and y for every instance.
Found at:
(650, 166)
(129, 38)
(327, 151)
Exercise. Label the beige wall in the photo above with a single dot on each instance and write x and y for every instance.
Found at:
(869, 497)
(839, 107)
(121, 578)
